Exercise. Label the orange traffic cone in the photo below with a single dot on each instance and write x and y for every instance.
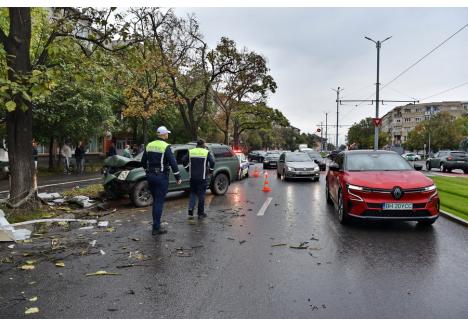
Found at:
(256, 174)
(266, 188)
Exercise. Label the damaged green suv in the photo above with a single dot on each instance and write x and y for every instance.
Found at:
(126, 176)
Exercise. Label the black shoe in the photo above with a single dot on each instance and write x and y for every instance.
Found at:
(159, 231)
(190, 212)
(202, 216)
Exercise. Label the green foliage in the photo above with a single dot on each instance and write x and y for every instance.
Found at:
(444, 131)
(362, 134)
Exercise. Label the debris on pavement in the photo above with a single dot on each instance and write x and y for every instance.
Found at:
(101, 273)
(59, 264)
(33, 310)
(302, 245)
(8, 231)
(279, 244)
(103, 224)
(49, 196)
(242, 241)
(33, 299)
(229, 238)
(27, 267)
(102, 252)
(83, 201)
(11, 246)
(93, 243)
(90, 227)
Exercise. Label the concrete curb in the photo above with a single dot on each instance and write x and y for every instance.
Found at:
(454, 218)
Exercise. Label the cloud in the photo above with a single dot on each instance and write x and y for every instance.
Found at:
(311, 50)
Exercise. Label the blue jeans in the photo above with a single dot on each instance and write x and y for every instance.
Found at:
(197, 190)
(158, 184)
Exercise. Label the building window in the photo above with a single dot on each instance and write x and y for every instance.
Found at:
(407, 119)
(398, 120)
(418, 119)
(407, 110)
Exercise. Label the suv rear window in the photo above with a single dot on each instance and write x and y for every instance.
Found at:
(220, 152)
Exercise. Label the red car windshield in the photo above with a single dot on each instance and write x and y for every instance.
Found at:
(376, 162)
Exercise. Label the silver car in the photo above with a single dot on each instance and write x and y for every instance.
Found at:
(297, 165)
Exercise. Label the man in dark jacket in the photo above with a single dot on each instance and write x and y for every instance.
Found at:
(156, 160)
(199, 162)
(79, 158)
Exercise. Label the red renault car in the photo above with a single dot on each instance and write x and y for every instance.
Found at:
(380, 185)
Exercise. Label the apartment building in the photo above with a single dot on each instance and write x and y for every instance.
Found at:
(402, 119)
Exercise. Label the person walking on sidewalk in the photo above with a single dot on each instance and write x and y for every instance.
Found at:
(200, 163)
(66, 153)
(34, 153)
(156, 159)
(79, 158)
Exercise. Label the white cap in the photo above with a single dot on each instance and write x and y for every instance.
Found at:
(163, 130)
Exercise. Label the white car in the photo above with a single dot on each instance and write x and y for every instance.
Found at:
(411, 157)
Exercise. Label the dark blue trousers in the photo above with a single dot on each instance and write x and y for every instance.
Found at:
(158, 184)
(197, 190)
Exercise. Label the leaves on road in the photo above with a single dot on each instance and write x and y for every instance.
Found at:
(27, 267)
(33, 299)
(33, 310)
(59, 264)
(302, 245)
(101, 273)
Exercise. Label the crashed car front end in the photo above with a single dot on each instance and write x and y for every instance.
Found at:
(119, 175)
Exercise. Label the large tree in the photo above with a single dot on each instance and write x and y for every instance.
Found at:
(27, 75)
(362, 134)
(250, 83)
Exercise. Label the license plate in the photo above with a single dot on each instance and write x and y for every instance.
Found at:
(393, 206)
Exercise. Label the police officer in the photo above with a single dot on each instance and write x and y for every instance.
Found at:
(157, 157)
(200, 162)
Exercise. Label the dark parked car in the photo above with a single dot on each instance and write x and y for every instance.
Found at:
(380, 185)
(317, 158)
(256, 156)
(271, 160)
(446, 161)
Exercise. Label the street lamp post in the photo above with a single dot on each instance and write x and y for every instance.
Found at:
(377, 88)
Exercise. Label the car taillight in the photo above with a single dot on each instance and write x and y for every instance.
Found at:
(449, 158)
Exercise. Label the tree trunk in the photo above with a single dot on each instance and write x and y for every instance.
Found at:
(19, 121)
(51, 153)
(236, 134)
(145, 131)
(191, 119)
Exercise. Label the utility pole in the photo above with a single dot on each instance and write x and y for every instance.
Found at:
(377, 88)
(337, 111)
(321, 135)
(326, 131)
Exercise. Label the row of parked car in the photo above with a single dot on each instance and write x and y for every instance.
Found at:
(445, 160)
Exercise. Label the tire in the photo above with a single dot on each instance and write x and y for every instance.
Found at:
(264, 167)
(449, 170)
(341, 211)
(442, 167)
(426, 223)
(327, 195)
(428, 166)
(465, 171)
(220, 184)
(140, 194)
(315, 179)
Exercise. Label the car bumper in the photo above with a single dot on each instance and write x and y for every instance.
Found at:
(270, 165)
(396, 218)
(456, 165)
(301, 175)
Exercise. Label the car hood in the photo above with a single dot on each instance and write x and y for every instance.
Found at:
(298, 165)
(118, 161)
(388, 179)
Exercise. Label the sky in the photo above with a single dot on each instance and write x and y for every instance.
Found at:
(312, 50)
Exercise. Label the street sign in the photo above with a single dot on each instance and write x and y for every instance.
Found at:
(377, 121)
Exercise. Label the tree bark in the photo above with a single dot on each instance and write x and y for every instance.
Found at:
(51, 153)
(19, 121)
(145, 131)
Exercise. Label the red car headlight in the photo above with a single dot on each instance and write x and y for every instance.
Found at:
(353, 196)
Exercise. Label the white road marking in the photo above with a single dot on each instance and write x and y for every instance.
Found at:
(264, 207)
(59, 184)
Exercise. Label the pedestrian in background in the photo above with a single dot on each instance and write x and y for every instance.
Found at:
(66, 153)
(134, 150)
(141, 148)
(112, 150)
(200, 163)
(156, 159)
(34, 153)
(126, 152)
(80, 157)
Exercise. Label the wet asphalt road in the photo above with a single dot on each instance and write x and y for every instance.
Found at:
(367, 270)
